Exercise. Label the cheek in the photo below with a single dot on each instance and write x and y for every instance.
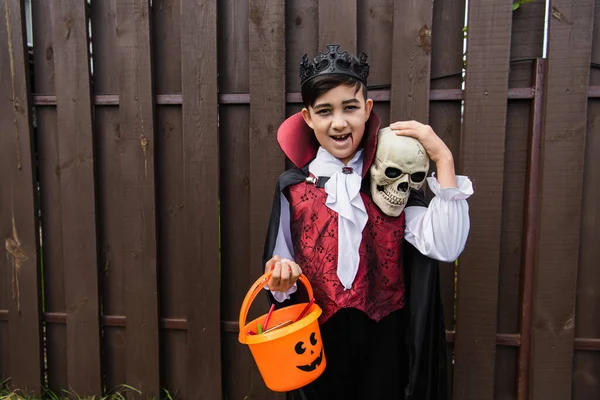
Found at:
(358, 134)
(320, 128)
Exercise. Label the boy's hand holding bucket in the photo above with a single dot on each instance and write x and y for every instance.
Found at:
(285, 273)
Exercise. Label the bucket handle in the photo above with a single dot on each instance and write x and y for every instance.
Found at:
(256, 288)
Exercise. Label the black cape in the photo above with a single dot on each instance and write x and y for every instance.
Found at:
(425, 336)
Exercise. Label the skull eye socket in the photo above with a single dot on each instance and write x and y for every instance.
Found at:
(300, 349)
(313, 339)
(417, 177)
(391, 172)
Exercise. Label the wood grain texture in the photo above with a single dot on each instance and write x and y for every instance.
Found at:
(526, 45)
(482, 159)
(411, 61)
(563, 144)
(201, 196)
(19, 261)
(586, 365)
(136, 244)
(337, 24)
(238, 274)
(170, 194)
(77, 194)
(50, 204)
(445, 119)
(302, 37)
(375, 33)
(113, 227)
(267, 111)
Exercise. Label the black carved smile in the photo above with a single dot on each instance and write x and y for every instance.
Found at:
(313, 365)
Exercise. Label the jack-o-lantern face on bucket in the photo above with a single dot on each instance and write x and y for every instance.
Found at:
(310, 349)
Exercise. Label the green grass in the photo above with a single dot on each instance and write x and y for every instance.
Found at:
(119, 393)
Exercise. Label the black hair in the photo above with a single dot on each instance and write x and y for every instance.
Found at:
(321, 84)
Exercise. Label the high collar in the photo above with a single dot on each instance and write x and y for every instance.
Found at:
(298, 141)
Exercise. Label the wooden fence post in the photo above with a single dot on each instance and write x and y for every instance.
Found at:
(19, 261)
(563, 144)
(482, 159)
(77, 194)
(201, 198)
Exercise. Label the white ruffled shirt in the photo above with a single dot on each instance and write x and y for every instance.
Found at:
(439, 231)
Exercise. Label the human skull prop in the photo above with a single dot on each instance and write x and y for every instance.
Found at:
(401, 165)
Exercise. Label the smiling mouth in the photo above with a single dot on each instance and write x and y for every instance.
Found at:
(313, 365)
(340, 138)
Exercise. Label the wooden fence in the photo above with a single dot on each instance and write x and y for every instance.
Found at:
(137, 171)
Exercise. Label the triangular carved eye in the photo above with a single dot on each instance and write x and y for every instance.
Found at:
(391, 172)
(417, 177)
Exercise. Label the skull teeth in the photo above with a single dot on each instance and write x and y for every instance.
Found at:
(390, 197)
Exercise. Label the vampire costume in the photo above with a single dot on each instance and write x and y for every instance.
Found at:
(374, 273)
(382, 323)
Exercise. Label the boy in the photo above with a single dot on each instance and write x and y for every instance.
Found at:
(381, 326)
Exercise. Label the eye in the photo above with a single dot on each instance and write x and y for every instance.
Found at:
(417, 177)
(351, 108)
(392, 172)
(313, 338)
(300, 349)
(322, 112)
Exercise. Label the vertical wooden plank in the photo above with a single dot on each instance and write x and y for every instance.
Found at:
(527, 42)
(526, 45)
(410, 70)
(445, 119)
(110, 188)
(586, 364)
(445, 116)
(242, 377)
(563, 143)
(337, 24)
(201, 182)
(138, 239)
(301, 37)
(18, 203)
(76, 169)
(166, 34)
(482, 159)
(49, 181)
(267, 111)
(375, 27)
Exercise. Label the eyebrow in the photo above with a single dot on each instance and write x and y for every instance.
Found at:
(349, 101)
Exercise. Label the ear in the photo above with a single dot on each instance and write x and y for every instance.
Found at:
(368, 107)
(307, 117)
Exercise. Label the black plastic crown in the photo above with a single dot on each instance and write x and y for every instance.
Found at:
(334, 62)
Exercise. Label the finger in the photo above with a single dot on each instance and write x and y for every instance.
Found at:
(285, 274)
(271, 263)
(403, 125)
(275, 281)
(407, 132)
(296, 272)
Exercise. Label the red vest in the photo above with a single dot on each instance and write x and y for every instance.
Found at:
(378, 288)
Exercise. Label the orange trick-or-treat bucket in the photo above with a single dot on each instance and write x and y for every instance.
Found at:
(288, 352)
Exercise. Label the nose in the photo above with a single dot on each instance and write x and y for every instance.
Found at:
(403, 187)
(339, 122)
